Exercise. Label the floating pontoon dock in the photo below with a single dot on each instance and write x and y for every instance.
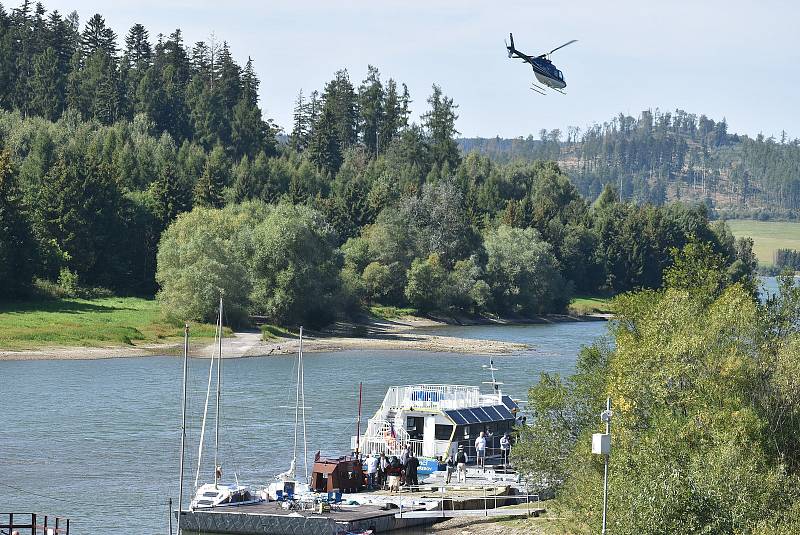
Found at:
(272, 519)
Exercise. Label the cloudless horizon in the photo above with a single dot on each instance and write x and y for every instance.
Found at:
(736, 60)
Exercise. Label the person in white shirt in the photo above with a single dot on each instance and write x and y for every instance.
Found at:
(372, 471)
(480, 450)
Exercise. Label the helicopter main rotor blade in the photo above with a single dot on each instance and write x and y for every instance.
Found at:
(562, 46)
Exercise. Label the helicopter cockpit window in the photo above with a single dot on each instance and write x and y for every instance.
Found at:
(560, 76)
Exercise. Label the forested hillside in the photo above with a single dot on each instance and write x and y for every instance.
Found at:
(148, 167)
(666, 156)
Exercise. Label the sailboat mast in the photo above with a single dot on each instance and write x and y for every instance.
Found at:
(297, 398)
(358, 422)
(219, 390)
(205, 418)
(303, 394)
(183, 423)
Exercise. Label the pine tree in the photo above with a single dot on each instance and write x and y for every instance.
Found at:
(101, 85)
(439, 123)
(45, 92)
(325, 149)
(301, 127)
(209, 188)
(392, 115)
(17, 249)
(138, 52)
(250, 83)
(96, 36)
(371, 109)
(341, 101)
(23, 44)
(249, 132)
(244, 186)
(174, 54)
(205, 113)
(7, 60)
(169, 196)
(228, 90)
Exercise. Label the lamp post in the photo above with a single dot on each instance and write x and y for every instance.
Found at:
(601, 445)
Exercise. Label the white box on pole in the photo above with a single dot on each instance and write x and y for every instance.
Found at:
(601, 444)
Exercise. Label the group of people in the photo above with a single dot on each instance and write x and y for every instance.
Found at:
(390, 473)
(458, 462)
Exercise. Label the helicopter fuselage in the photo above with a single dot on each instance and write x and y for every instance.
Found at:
(547, 73)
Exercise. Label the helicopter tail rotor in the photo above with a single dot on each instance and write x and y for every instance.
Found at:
(511, 47)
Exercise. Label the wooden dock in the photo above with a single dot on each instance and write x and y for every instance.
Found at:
(33, 524)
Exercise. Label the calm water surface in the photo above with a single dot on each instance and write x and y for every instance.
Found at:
(98, 440)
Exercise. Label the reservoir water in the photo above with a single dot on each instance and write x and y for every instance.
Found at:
(97, 441)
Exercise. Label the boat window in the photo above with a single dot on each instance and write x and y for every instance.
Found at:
(204, 502)
(210, 494)
(443, 432)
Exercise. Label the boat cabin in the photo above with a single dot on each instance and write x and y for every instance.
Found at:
(342, 473)
(436, 419)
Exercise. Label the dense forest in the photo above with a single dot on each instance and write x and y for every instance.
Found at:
(704, 384)
(150, 168)
(666, 156)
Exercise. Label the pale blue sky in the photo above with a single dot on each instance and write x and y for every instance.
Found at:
(730, 58)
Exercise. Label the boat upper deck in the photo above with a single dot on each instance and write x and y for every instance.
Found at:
(441, 397)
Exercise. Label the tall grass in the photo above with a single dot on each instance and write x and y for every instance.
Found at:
(106, 321)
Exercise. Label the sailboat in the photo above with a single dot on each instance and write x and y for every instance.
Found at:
(286, 483)
(218, 494)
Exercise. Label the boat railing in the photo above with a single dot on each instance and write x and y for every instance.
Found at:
(494, 504)
(431, 396)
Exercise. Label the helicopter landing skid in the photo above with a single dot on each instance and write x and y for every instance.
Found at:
(543, 91)
(538, 89)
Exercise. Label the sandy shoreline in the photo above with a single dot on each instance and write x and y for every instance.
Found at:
(409, 333)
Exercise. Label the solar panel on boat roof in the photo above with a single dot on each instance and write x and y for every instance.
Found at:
(468, 416)
(482, 415)
(510, 403)
(504, 412)
(493, 414)
(456, 417)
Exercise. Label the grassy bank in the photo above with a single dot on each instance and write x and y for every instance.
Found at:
(768, 236)
(590, 305)
(98, 322)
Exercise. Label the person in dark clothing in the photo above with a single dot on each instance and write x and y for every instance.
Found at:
(461, 465)
(393, 472)
(451, 467)
(411, 471)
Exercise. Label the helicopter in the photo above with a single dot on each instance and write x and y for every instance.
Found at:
(543, 68)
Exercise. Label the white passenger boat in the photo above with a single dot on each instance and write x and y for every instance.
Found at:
(435, 419)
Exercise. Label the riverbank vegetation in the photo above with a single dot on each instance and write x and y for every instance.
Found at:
(149, 168)
(99, 322)
(704, 384)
